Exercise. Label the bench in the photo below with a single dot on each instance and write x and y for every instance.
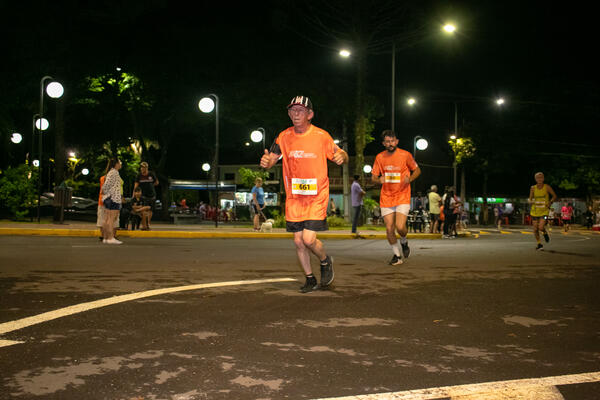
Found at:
(180, 219)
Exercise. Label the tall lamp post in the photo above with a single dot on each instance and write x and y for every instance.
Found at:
(207, 105)
(54, 90)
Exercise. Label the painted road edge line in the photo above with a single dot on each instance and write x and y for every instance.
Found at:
(472, 389)
(78, 308)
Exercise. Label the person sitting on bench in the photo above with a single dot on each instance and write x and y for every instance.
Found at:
(140, 210)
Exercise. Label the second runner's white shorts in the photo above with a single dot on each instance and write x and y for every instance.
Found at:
(402, 209)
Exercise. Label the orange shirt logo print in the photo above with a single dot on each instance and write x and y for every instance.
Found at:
(301, 154)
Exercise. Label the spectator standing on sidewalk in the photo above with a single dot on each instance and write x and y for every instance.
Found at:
(258, 202)
(589, 217)
(498, 216)
(147, 180)
(434, 209)
(356, 193)
(112, 192)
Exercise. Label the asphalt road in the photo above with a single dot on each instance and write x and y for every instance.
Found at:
(458, 312)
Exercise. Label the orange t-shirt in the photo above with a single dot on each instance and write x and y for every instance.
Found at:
(102, 178)
(394, 167)
(305, 177)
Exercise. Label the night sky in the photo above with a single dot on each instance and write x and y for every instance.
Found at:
(257, 55)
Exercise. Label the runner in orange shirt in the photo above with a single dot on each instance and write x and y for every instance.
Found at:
(395, 169)
(305, 149)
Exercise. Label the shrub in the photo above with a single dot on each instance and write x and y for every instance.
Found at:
(18, 190)
(334, 221)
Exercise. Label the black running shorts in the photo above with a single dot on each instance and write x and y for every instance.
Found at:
(311, 225)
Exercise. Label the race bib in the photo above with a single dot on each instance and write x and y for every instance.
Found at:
(393, 177)
(304, 186)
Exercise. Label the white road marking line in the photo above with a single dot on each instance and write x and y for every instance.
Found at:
(78, 308)
(482, 391)
(4, 343)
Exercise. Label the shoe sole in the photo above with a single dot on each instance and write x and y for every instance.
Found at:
(314, 288)
(397, 263)
(324, 284)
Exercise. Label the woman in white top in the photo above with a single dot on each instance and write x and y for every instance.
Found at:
(111, 198)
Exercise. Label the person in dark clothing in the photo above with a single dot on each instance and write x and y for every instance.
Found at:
(147, 181)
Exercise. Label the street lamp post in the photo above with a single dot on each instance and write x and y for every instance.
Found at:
(206, 105)
(54, 90)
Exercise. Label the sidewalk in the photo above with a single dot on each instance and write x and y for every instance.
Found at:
(166, 230)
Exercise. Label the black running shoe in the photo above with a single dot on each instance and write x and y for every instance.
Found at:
(310, 285)
(395, 260)
(405, 249)
(539, 246)
(327, 272)
(546, 237)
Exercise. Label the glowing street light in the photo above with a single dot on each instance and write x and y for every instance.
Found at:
(367, 169)
(55, 90)
(449, 28)
(42, 124)
(419, 143)
(259, 135)
(206, 167)
(16, 138)
(206, 105)
(36, 163)
(345, 53)
(411, 101)
(500, 101)
(85, 171)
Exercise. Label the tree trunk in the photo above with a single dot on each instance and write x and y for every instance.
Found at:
(462, 184)
(485, 205)
(360, 124)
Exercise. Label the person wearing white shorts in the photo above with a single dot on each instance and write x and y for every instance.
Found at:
(395, 169)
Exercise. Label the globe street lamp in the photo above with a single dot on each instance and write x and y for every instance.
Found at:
(345, 53)
(367, 169)
(449, 28)
(207, 105)
(206, 167)
(259, 135)
(419, 143)
(55, 90)
(16, 138)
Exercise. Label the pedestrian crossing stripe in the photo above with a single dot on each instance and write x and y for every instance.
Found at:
(517, 389)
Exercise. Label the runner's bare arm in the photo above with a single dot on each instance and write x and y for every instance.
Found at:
(414, 175)
(551, 191)
(340, 157)
(530, 200)
(378, 180)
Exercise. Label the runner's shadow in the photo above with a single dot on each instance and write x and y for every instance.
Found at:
(566, 253)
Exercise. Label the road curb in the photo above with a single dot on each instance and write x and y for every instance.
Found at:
(201, 235)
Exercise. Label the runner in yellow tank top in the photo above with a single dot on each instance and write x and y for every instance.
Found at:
(539, 198)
